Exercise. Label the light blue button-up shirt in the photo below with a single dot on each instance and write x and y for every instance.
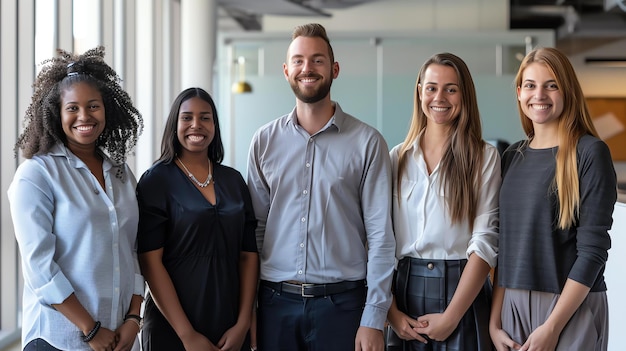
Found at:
(323, 205)
(74, 237)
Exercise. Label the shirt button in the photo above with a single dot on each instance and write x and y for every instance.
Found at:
(430, 266)
(305, 192)
(301, 244)
(308, 165)
(299, 272)
(303, 220)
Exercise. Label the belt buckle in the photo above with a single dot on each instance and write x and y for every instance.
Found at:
(303, 286)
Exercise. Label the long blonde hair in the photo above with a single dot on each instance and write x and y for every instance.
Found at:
(574, 122)
(461, 163)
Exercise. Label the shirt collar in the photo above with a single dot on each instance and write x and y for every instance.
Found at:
(415, 148)
(337, 119)
(60, 150)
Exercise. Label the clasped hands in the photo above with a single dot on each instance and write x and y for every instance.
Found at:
(433, 326)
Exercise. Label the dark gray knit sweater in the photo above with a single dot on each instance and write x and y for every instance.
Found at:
(534, 254)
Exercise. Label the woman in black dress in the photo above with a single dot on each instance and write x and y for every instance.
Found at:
(197, 248)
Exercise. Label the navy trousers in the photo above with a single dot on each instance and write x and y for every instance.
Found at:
(290, 322)
(39, 345)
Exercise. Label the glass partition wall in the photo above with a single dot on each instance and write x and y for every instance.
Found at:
(376, 80)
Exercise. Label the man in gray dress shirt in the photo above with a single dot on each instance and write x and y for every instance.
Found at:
(320, 182)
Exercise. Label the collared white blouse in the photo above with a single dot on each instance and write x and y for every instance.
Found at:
(421, 222)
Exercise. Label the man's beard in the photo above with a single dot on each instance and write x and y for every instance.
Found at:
(314, 95)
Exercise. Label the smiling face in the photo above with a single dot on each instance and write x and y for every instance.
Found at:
(82, 115)
(309, 69)
(539, 96)
(440, 94)
(195, 127)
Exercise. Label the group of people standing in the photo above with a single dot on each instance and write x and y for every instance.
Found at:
(333, 242)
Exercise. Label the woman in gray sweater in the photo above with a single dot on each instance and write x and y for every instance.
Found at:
(557, 197)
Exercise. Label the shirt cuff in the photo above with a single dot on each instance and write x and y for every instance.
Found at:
(585, 271)
(57, 290)
(373, 317)
(485, 251)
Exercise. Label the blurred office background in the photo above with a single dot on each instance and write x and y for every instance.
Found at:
(160, 47)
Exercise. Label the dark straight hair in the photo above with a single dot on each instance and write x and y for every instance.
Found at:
(170, 146)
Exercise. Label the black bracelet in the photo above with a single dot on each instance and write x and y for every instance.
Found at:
(92, 333)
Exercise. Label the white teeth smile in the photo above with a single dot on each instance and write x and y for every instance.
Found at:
(84, 128)
(439, 109)
(308, 80)
(541, 107)
(195, 138)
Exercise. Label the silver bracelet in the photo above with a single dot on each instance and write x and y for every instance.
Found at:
(136, 319)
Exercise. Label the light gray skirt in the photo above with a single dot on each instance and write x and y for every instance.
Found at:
(588, 329)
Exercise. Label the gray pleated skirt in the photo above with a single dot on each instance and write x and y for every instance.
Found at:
(588, 329)
(425, 286)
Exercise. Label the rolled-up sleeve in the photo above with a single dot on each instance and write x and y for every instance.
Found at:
(32, 209)
(259, 190)
(484, 241)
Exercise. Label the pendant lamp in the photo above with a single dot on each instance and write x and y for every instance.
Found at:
(241, 86)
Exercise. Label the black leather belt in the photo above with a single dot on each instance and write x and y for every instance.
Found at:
(314, 290)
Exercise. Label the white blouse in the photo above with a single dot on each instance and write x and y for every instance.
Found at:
(421, 222)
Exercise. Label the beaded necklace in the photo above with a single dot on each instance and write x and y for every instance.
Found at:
(193, 179)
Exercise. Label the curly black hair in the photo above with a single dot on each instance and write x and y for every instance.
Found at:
(42, 120)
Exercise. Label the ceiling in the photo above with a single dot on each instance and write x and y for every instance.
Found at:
(581, 25)
(246, 14)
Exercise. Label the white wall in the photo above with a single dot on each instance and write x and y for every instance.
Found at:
(615, 281)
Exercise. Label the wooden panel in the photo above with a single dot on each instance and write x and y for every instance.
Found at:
(599, 107)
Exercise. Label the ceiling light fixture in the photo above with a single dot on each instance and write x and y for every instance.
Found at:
(241, 86)
(606, 61)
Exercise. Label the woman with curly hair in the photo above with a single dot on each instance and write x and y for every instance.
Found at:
(74, 209)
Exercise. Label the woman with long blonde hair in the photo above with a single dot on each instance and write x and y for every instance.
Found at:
(445, 216)
(557, 197)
